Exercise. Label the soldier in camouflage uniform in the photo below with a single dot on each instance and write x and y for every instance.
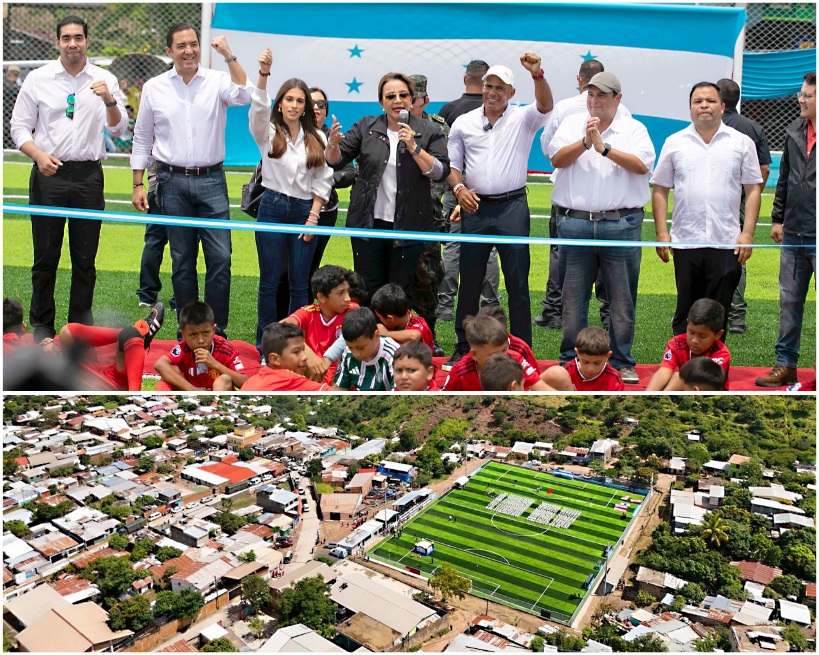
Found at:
(430, 269)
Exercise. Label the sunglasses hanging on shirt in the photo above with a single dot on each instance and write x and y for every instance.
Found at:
(69, 111)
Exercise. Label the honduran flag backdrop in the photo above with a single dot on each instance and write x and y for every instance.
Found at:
(657, 51)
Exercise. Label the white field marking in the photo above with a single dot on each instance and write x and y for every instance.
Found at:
(483, 550)
(545, 589)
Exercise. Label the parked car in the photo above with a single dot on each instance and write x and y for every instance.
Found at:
(305, 508)
(288, 557)
(284, 542)
(255, 480)
(154, 515)
(339, 552)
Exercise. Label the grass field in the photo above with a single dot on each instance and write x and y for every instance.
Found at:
(514, 560)
(115, 302)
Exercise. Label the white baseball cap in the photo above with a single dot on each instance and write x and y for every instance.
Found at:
(502, 72)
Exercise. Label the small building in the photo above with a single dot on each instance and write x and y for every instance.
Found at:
(279, 501)
(71, 629)
(757, 572)
(658, 583)
(794, 612)
(676, 465)
(339, 507)
(396, 471)
(361, 483)
(298, 638)
(772, 507)
(602, 449)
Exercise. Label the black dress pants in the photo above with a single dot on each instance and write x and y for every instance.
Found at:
(75, 185)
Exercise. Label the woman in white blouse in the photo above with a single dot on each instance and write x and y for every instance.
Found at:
(297, 183)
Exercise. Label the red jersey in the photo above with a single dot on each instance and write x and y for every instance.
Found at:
(200, 375)
(608, 379)
(419, 324)
(318, 333)
(518, 345)
(678, 353)
(11, 341)
(464, 375)
(278, 379)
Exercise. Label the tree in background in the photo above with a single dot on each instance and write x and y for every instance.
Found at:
(257, 625)
(448, 582)
(795, 637)
(130, 614)
(17, 528)
(308, 602)
(220, 645)
(714, 530)
(783, 585)
(245, 454)
(167, 552)
(255, 592)
(249, 556)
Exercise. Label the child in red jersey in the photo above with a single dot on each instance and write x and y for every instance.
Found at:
(322, 320)
(501, 372)
(285, 362)
(590, 369)
(516, 344)
(702, 374)
(413, 369)
(486, 336)
(203, 360)
(702, 339)
(392, 308)
(80, 369)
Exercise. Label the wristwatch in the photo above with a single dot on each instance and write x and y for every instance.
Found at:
(606, 149)
(417, 148)
(230, 59)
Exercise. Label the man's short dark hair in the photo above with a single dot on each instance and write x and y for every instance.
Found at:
(327, 278)
(277, 335)
(499, 371)
(180, 27)
(390, 299)
(72, 20)
(730, 92)
(359, 323)
(703, 372)
(708, 312)
(593, 341)
(414, 350)
(704, 85)
(588, 69)
(483, 330)
(810, 78)
(497, 312)
(12, 316)
(475, 70)
(358, 287)
(196, 312)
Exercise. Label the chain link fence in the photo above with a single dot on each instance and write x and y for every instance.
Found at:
(121, 28)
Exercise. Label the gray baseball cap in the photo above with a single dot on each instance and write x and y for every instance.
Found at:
(605, 81)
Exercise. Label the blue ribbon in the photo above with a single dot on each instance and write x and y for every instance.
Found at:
(362, 233)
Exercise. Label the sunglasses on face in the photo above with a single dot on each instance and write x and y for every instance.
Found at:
(69, 111)
(320, 104)
(391, 96)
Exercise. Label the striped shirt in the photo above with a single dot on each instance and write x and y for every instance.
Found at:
(374, 375)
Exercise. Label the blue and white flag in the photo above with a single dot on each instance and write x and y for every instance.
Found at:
(657, 51)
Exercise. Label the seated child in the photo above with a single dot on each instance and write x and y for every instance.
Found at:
(702, 374)
(125, 374)
(322, 320)
(366, 364)
(501, 372)
(358, 288)
(392, 307)
(203, 359)
(285, 362)
(486, 336)
(413, 369)
(516, 344)
(13, 326)
(590, 369)
(702, 339)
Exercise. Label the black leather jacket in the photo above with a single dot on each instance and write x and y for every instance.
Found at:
(795, 200)
(368, 144)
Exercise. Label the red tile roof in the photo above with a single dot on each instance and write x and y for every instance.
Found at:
(232, 473)
(810, 590)
(180, 646)
(70, 585)
(757, 572)
(85, 560)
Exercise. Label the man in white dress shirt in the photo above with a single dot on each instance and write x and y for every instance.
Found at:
(489, 153)
(703, 163)
(181, 125)
(604, 159)
(67, 104)
(552, 311)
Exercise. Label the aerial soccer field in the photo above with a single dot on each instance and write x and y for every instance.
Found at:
(527, 539)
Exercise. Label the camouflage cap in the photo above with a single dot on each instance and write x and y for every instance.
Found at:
(419, 85)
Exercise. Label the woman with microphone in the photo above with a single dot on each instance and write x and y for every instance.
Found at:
(397, 156)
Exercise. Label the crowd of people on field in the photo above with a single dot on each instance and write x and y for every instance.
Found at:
(320, 326)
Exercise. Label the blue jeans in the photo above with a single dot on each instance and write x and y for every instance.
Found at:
(200, 196)
(620, 268)
(156, 238)
(272, 247)
(796, 266)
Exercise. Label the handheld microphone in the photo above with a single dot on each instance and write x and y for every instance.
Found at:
(403, 117)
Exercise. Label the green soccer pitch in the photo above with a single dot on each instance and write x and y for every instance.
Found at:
(528, 561)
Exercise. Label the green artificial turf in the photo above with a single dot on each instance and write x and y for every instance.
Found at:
(115, 301)
(510, 559)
